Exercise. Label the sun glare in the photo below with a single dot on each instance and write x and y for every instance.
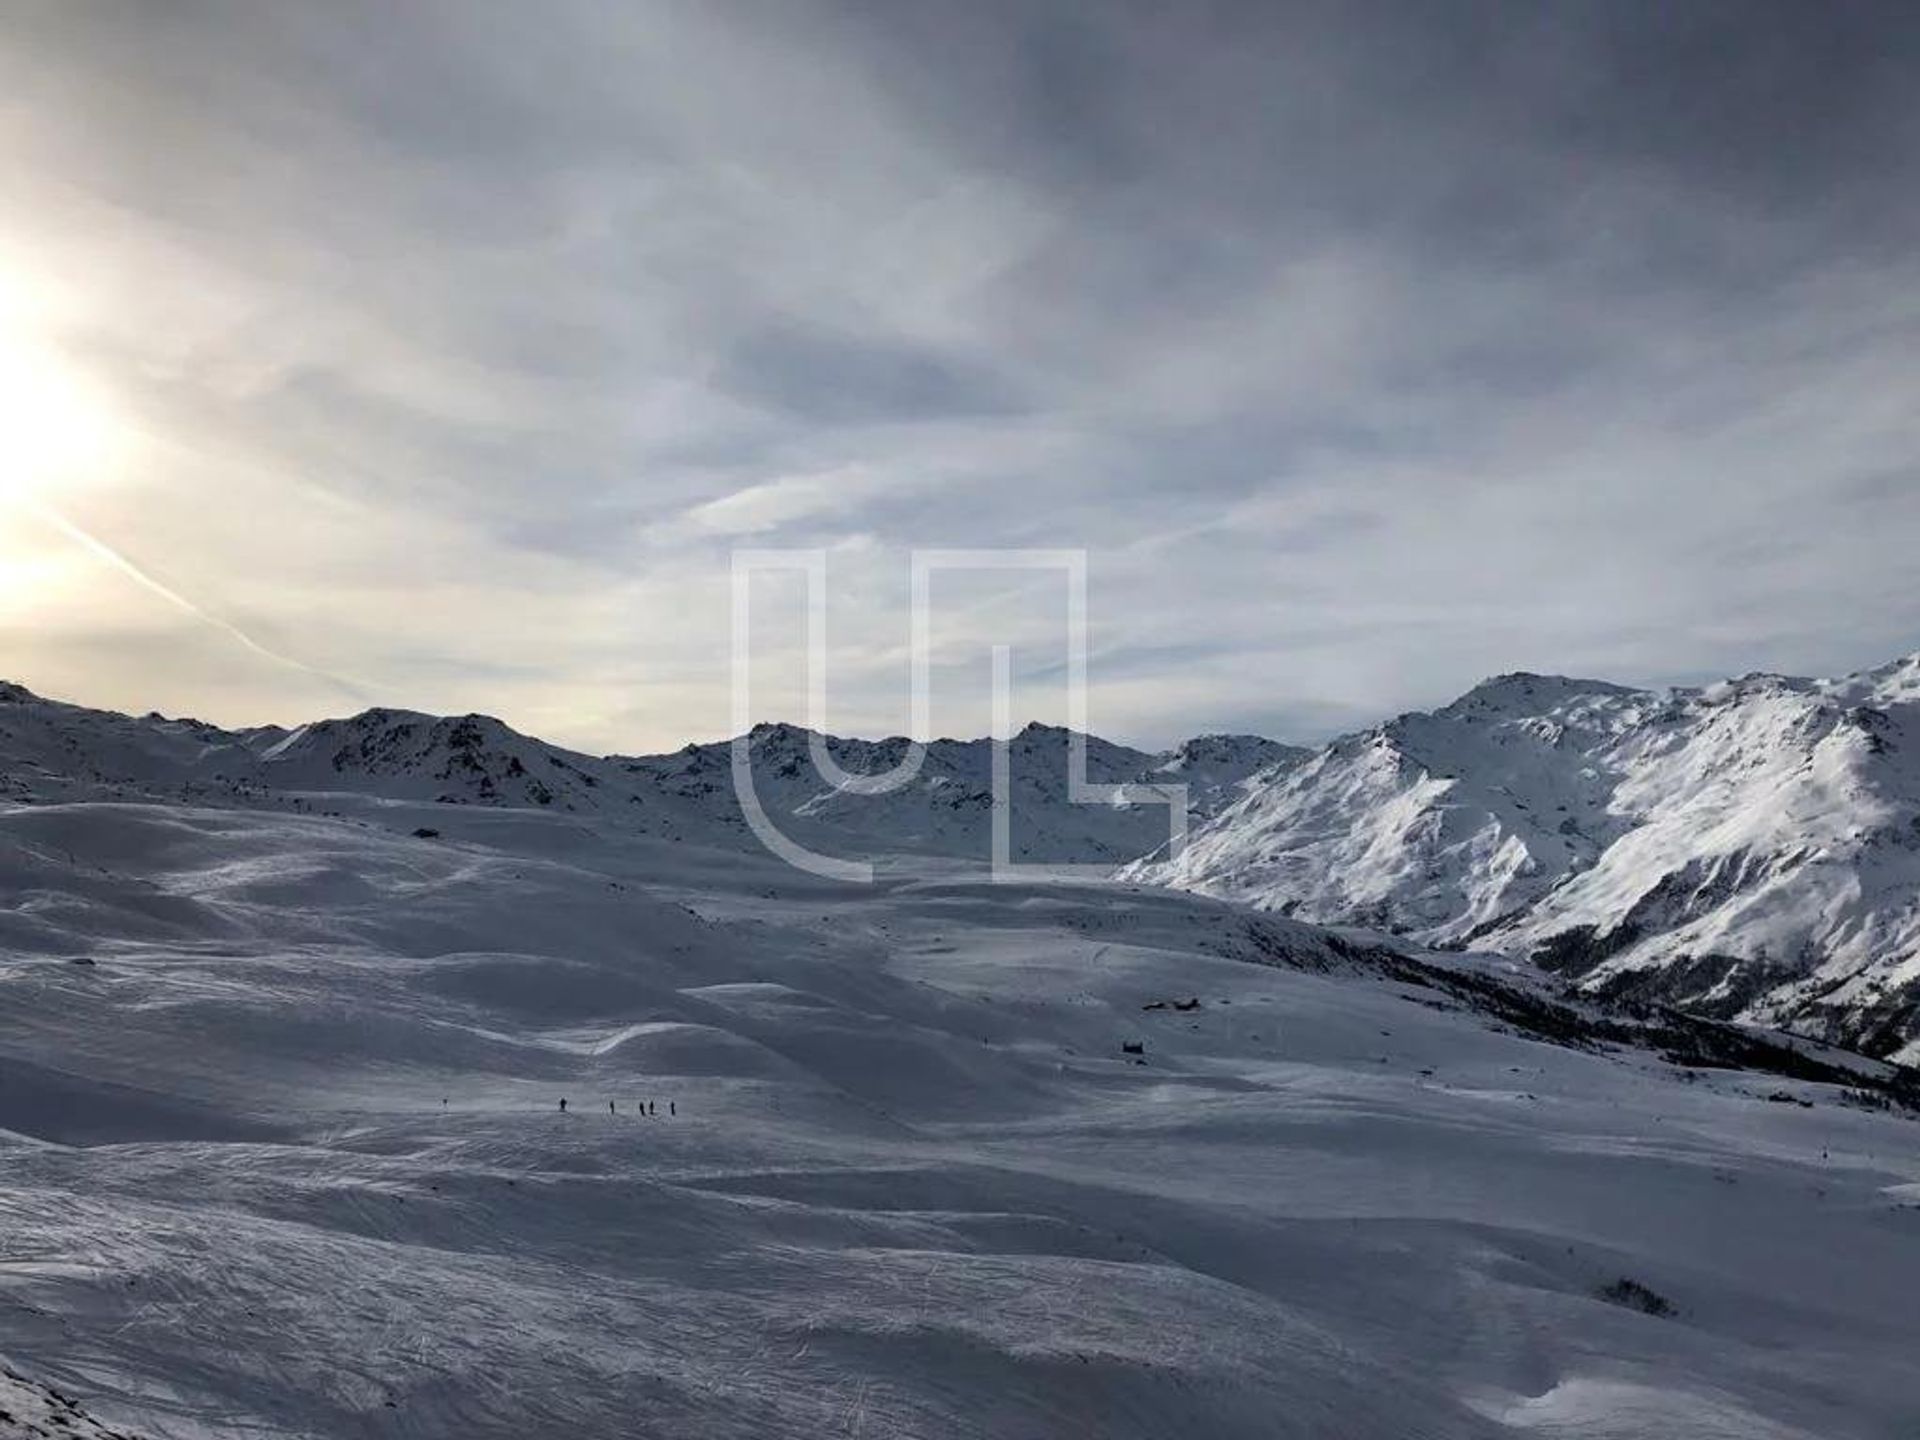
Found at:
(56, 428)
(53, 431)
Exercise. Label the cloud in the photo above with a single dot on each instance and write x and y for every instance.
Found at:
(105, 552)
(1366, 350)
(778, 504)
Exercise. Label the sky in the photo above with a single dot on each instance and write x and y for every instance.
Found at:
(441, 355)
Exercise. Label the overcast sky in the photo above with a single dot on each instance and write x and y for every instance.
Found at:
(438, 355)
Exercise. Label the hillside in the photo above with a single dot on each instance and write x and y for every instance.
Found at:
(282, 1154)
(1750, 849)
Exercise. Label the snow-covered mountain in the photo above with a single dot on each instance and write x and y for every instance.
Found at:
(399, 1075)
(466, 759)
(54, 751)
(946, 808)
(1219, 769)
(1750, 849)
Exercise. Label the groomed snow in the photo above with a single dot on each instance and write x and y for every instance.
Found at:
(286, 1158)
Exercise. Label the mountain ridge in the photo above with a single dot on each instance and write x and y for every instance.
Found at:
(50, 749)
(1748, 850)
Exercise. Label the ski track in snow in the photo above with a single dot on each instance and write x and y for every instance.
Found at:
(287, 1160)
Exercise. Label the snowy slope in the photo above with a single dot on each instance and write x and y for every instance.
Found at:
(1751, 849)
(50, 750)
(1219, 769)
(287, 1159)
(1437, 823)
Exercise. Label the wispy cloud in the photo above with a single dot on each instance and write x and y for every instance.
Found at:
(93, 545)
(1366, 349)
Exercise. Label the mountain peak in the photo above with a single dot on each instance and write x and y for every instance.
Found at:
(1223, 741)
(1524, 692)
(1896, 682)
(779, 732)
(1036, 730)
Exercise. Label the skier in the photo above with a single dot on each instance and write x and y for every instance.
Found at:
(563, 1104)
(652, 1109)
(671, 1112)
(610, 1109)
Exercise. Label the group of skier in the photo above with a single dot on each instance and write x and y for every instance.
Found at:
(646, 1107)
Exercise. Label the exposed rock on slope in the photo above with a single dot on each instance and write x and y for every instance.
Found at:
(466, 759)
(32, 1411)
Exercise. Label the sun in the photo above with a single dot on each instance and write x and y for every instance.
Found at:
(58, 429)
(54, 430)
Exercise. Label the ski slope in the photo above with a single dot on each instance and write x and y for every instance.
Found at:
(281, 1154)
